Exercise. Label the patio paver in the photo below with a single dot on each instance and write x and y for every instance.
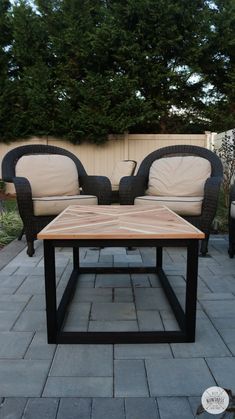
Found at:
(128, 381)
(177, 377)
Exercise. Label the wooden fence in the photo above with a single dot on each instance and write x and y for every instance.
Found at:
(100, 159)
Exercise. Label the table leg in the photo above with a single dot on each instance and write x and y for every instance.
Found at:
(75, 257)
(191, 290)
(50, 289)
(159, 257)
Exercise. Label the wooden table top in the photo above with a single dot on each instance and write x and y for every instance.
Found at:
(119, 222)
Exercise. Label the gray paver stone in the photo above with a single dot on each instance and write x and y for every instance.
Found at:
(149, 320)
(108, 409)
(178, 377)
(217, 309)
(143, 351)
(93, 294)
(14, 344)
(122, 295)
(83, 360)
(22, 378)
(39, 348)
(11, 281)
(130, 379)
(7, 319)
(141, 408)
(174, 407)
(223, 369)
(32, 285)
(41, 408)
(79, 387)
(208, 343)
(113, 311)
(150, 299)
(31, 321)
(74, 408)
(114, 326)
(12, 408)
(113, 280)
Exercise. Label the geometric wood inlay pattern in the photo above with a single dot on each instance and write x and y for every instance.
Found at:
(119, 222)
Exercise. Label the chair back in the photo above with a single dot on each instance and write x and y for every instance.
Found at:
(121, 169)
(182, 150)
(11, 158)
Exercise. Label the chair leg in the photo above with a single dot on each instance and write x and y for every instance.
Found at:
(231, 237)
(231, 247)
(231, 251)
(30, 249)
(204, 245)
(21, 234)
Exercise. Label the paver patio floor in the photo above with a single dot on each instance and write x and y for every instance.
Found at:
(123, 381)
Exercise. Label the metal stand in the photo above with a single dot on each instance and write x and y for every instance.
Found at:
(185, 318)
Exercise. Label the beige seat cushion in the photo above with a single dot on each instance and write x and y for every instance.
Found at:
(232, 209)
(53, 205)
(121, 169)
(181, 205)
(49, 174)
(178, 176)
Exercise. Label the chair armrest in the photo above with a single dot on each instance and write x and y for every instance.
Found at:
(211, 195)
(99, 186)
(130, 187)
(24, 197)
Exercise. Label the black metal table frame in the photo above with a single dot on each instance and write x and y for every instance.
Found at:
(56, 313)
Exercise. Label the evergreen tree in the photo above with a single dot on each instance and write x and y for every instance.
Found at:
(5, 58)
(218, 66)
(82, 69)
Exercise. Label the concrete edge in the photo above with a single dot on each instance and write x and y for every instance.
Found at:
(10, 251)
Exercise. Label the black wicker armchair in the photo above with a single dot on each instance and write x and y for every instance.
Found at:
(37, 207)
(137, 186)
(231, 222)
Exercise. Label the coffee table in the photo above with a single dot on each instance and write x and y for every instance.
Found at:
(117, 226)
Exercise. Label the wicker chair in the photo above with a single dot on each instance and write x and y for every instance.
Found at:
(231, 222)
(122, 168)
(37, 207)
(137, 186)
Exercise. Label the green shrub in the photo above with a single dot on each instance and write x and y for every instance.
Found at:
(10, 205)
(227, 154)
(221, 219)
(10, 226)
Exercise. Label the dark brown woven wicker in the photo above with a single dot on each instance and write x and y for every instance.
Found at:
(133, 186)
(99, 186)
(115, 194)
(231, 225)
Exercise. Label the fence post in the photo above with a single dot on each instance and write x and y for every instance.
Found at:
(126, 145)
(208, 139)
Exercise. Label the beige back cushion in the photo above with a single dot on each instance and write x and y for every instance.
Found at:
(121, 169)
(178, 176)
(49, 174)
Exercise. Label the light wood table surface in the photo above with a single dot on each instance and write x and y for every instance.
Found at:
(119, 222)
